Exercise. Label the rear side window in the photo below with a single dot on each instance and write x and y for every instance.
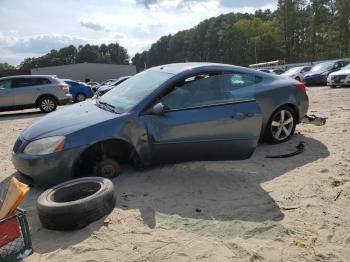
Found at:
(5, 83)
(26, 82)
(21, 82)
(305, 69)
(207, 90)
(41, 81)
(240, 80)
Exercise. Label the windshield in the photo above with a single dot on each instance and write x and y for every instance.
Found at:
(322, 67)
(292, 71)
(131, 92)
(346, 67)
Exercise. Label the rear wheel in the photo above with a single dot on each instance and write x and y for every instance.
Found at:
(47, 104)
(80, 97)
(298, 78)
(281, 125)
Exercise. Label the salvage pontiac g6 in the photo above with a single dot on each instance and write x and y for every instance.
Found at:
(170, 113)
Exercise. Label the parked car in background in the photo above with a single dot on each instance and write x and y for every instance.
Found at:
(79, 90)
(264, 70)
(170, 113)
(33, 91)
(276, 71)
(94, 86)
(319, 73)
(104, 89)
(297, 73)
(108, 82)
(339, 78)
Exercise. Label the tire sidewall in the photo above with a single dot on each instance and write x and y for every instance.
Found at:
(44, 98)
(80, 94)
(44, 200)
(268, 133)
(79, 213)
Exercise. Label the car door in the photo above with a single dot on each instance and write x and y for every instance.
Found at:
(204, 120)
(27, 90)
(6, 96)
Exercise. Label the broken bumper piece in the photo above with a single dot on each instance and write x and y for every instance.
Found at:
(314, 120)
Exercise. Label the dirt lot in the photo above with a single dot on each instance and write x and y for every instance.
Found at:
(254, 210)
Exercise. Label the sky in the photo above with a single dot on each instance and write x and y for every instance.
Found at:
(30, 28)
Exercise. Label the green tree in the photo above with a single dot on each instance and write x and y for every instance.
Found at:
(6, 66)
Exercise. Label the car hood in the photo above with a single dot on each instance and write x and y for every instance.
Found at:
(341, 72)
(67, 120)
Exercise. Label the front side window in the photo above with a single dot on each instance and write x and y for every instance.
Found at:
(5, 84)
(206, 90)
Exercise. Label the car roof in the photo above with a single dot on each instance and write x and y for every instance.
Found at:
(28, 76)
(178, 68)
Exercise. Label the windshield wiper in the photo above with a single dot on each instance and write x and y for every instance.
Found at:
(107, 106)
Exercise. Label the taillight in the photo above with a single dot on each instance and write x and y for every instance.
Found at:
(301, 86)
(62, 86)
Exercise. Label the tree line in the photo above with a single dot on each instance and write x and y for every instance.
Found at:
(110, 54)
(297, 31)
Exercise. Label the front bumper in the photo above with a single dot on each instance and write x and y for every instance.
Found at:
(47, 170)
(342, 82)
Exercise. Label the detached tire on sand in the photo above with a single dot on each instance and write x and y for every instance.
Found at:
(76, 203)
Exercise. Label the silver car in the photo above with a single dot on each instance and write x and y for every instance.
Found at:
(339, 78)
(33, 91)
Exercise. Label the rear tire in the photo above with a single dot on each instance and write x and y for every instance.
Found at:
(80, 97)
(76, 203)
(281, 125)
(298, 79)
(47, 104)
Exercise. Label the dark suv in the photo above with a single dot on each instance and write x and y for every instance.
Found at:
(33, 91)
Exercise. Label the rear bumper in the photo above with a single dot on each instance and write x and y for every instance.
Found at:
(48, 170)
(318, 80)
(67, 100)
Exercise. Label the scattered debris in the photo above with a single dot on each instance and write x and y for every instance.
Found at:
(107, 222)
(289, 208)
(300, 148)
(336, 183)
(300, 242)
(314, 120)
(338, 195)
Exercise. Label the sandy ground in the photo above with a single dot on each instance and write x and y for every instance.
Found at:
(254, 210)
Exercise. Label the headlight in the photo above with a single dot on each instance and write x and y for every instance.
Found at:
(45, 146)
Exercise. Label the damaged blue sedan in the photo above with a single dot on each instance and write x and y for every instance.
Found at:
(166, 114)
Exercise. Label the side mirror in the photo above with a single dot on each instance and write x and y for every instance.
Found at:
(158, 109)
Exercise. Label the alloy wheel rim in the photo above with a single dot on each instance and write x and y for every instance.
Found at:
(282, 125)
(47, 105)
